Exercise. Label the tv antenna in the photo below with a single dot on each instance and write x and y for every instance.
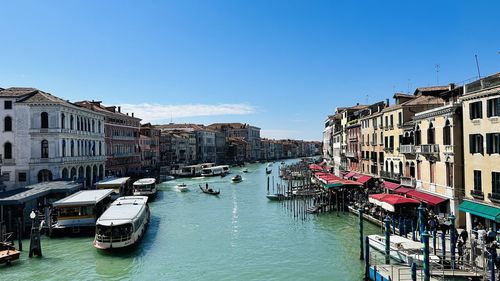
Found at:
(437, 74)
(477, 65)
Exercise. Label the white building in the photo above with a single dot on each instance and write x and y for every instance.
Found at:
(46, 138)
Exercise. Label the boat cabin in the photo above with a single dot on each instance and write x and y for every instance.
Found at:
(145, 186)
(78, 212)
(215, 171)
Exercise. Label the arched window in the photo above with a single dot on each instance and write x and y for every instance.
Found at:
(71, 121)
(44, 120)
(392, 167)
(63, 148)
(447, 133)
(93, 128)
(63, 120)
(7, 150)
(99, 126)
(44, 149)
(418, 136)
(100, 148)
(431, 134)
(72, 153)
(7, 125)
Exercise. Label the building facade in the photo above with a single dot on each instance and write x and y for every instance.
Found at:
(250, 134)
(481, 139)
(46, 138)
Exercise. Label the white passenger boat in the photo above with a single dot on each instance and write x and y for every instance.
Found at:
(123, 224)
(121, 186)
(182, 187)
(146, 187)
(401, 249)
(215, 171)
(77, 213)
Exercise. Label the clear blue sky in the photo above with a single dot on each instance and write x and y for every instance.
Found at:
(280, 65)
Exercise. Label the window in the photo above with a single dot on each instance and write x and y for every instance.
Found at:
(430, 134)
(44, 149)
(476, 143)
(63, 148)
(21, 177)
(7, 124)
(392, 121)
(63, 120)
(419, 164)
(493, 107)
(391, 142)
(400, 119)
(476, 110)
(418, 136)
(381, 138)
(71, 120)
(44, 120)
(387, 121)
(386, 142)
(72, 152)
(7, 150)
(495, 182)
(449, 174)
(6, 176)
(7, 104)
(447, 133)
(493, 143)
(477, 181)
(432, 168)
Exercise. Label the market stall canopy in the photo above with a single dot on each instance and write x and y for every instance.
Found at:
(390, 201)
(390, 185)
(402, 190)
(314, 167)
(332, 181)
(351, 174)
(426, 198)
(364, 179)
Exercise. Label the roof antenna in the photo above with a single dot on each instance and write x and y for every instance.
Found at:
(437, 74)
(171, 118)
(477, 65)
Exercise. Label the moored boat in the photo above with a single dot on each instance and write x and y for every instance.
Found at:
(77, 213)
(276, 197)
(145, 187)
(8, 253)
(245, 170)
(237, 178)
(215, 171)
(182, 187)
(123, 224)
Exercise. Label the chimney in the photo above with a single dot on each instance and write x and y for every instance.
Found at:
(119, 109)
(451, 86)
(357, 103)
(387, 102)
(132, 114)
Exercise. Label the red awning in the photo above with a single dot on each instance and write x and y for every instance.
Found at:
(351, 174)
(389, 201)
(426, 198)
(402, 190)
(390, 185)
(364, 179)
(315, 167)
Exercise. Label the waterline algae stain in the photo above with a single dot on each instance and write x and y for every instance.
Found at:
(239, 235)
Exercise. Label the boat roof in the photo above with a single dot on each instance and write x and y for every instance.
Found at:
(113, 181)
(84, 197)
(123, 210)
(31, 192)
(145, 181)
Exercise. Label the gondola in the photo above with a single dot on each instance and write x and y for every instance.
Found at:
(210, 191)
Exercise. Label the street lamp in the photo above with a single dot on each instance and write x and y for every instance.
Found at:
(32, 215)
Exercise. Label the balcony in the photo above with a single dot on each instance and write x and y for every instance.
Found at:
(448, 149)
(427, 149)
(374, 143)
(407, 148)
(351, 154)
(494, 197)
(477, 194)
(8, 162)
(389, 149)
(353, 139)
(389, 175)
(408, 181)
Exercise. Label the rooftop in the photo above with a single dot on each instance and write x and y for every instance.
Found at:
(84, 197)
(38, 190)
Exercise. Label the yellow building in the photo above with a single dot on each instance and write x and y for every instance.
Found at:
(438, 150)
(481, 126)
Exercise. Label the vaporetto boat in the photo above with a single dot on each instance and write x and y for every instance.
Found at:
(145, 187)
(215, 171)
(123, 224)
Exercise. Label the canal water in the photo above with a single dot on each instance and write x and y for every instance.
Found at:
(238, 235)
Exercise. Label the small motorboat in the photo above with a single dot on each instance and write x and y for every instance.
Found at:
(277, 197)
(237, 178)
(209, 190)
(182, 187)
(245, 170)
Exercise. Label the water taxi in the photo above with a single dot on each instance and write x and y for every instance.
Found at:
(146, 187)
(401, 249)
(123, 224)
(237, 178)
(77, 213)
(192, 170)
(215, 171)
(182, 187)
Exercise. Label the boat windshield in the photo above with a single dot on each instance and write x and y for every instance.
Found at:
(144, 187)
(117, 233)
(75, 211)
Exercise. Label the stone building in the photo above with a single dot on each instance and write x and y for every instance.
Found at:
(250, 134)
(152, 153)
(121, 137)
(46, 138)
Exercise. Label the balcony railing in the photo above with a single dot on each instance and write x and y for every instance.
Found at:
(494, 197)
(389, 175)
(448, 149)
(427, 149)
(351, 154)
(389, 149)
(374, 143)
(407, 148)
(408, 181)
(478, 194)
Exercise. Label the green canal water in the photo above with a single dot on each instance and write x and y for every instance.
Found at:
(239, 235)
